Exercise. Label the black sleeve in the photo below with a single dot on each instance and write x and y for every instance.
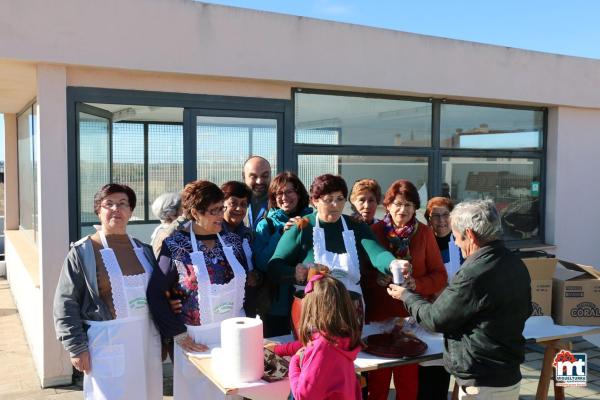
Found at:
(168, 323)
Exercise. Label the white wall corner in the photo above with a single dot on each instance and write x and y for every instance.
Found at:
(53, 213)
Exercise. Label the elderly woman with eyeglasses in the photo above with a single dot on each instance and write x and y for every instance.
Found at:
(329, 238)
(207, 271)
(408, 239)
(288, 202)
(433, 378)
(101, 312)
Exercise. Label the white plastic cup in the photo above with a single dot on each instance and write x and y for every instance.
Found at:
(396, 268)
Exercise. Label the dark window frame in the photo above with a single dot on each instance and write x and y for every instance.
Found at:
(436, 153)
(217, 105)
(288, 150)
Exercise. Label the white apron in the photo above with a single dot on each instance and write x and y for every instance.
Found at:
(344, 267)
(216, 303)
(125, 353)
(453, 265)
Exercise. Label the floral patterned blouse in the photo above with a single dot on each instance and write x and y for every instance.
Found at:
(179, 278)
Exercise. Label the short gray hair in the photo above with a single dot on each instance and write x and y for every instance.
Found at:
(166, 206)
(481, 216)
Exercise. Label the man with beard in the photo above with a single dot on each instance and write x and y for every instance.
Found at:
(257, 176)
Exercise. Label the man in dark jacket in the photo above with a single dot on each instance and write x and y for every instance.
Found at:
(483, 310)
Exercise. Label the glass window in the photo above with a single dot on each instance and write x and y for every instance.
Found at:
(513, 184)
(128, 161)
(27, 160)
(94, 166)
(476, 127)
(165, 160)
(224, 143)
(384, 169)
(331, 119)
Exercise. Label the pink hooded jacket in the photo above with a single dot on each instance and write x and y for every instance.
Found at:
(326, 371)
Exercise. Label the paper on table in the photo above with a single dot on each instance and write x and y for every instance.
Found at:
(209, 335)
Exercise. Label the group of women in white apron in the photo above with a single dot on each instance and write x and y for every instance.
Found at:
(125, 352)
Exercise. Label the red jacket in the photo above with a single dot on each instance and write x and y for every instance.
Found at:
(326, 371)
(428, 271)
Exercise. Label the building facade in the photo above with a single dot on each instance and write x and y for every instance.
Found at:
(155, 93)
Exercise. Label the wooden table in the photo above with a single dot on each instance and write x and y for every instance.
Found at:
(541, 330)
(255, 390)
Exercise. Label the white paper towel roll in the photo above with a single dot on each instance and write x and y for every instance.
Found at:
(240, 357)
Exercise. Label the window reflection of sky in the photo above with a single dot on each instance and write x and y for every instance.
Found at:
(512, 140)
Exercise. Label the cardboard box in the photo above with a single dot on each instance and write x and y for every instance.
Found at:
(576, 299)
(541, 271)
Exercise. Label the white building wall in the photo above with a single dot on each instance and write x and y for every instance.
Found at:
(572, 212)
(188, 37)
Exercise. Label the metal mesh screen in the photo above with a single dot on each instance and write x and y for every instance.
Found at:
(165, 160)
(222, 148)
(128, 161)
(93, 162)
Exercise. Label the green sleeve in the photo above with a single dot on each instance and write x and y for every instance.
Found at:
(379, 256)
(282, 266)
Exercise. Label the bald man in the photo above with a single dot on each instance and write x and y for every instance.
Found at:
(257, 175)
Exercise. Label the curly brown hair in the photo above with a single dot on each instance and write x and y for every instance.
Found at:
(199, 195)
(279, 183)
(329, 310)
(404, 188)
(327, 183)
(438, 202)
(112, 188)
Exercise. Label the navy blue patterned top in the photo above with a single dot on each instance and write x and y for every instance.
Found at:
(176, 275)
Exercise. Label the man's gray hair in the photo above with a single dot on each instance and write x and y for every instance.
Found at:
(481, 216)
(166, 206)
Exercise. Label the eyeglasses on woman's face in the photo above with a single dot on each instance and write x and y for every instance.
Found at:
(403, 204)
(287, 193)
(234, 203)
(332, 200)
(439, 216)
(214, 211)
(109, 205)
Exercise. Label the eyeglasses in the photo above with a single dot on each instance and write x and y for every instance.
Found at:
(234, 205)
(216, 211)
(332, 200)
(286, 193)
(405, 205)
(109, 205)
(438, 217)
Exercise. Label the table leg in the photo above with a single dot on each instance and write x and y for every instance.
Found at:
(455, 392)
(552, 348)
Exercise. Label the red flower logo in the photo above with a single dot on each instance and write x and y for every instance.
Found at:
(563, 356)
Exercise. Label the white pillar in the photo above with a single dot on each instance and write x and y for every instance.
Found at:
(53, 212)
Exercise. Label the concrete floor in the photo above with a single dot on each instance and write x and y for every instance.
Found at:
(18, 379)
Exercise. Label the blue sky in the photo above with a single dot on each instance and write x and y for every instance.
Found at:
(562, 27)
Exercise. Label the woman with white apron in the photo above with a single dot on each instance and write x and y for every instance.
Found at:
(328, 238)
(100, 308)
(207, 272)
(124, 352)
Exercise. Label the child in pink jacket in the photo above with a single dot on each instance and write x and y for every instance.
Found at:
(330, 333)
